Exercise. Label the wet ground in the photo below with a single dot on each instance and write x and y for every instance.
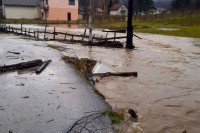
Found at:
(57, 100)
(166, 93)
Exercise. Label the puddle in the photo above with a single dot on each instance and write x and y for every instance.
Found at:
(167, 29)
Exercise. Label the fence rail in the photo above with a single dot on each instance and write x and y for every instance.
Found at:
(56, 35)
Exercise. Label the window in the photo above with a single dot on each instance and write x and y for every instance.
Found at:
(71, 2)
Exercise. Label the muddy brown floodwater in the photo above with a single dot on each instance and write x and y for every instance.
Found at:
(166, 92)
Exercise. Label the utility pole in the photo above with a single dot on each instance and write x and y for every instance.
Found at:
(90, 22)
(129, 41)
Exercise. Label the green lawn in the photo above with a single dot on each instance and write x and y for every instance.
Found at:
(186, 27)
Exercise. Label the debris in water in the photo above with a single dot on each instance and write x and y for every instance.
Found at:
(111, 44)
(64, 92)
(72, 88)
(65, 83)
(133, 114)
(50, 121)
(185, 131)
(26, 97)
(58, 107)
(20, 84)
(101, 67)
(84, 65)
(90, 68)
(123, 74)
(17, 53)
(20, 66)
(43, 66)
(13, 58)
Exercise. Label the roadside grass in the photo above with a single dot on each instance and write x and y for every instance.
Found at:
(116, 117)
(186, 27)
(37, 21)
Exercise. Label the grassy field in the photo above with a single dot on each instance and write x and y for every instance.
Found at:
(186, 27)
(35, 21)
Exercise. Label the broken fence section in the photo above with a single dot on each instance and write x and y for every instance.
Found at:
(66, 37)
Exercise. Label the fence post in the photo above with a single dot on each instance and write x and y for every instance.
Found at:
(65, 36)
(84, 35)
(93, 37)
(45, 30)
(38, 32)
(21, 28)
(34, 33)
(25, 31)
(29, 32)
(54, 33)
(114, 35)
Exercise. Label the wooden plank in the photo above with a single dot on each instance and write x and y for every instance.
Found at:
(123, 74)
(54, 35)
(84, 35)
(43, 66)
(114, 38)
(21, 66)
(45, 30)
(118, 31)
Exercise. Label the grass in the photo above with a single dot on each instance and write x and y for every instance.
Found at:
(36, 21)
(187, 27)
(115, 117)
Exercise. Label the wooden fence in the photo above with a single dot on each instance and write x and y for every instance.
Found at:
(61, 36)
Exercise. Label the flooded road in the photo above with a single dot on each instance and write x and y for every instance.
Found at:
(166, 93)
(51, 102)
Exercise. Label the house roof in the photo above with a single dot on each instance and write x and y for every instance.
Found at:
(116, 6)
(21, 2)
(99, 10)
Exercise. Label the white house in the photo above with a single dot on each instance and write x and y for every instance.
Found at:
(119, 9)
(21, 9)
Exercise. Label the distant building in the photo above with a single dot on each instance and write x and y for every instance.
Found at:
(21, 9)
(119, 9)
(59, 10)
(99, 12)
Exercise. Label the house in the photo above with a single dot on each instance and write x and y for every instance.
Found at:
(21, 9)
(119, 9)
(59, 10)
(99, 12)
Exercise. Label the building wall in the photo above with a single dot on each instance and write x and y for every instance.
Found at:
(21, 12)
(113, 12)
(123, 7)
(59, 9)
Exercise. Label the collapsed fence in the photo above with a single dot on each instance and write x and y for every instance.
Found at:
(65, 37)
